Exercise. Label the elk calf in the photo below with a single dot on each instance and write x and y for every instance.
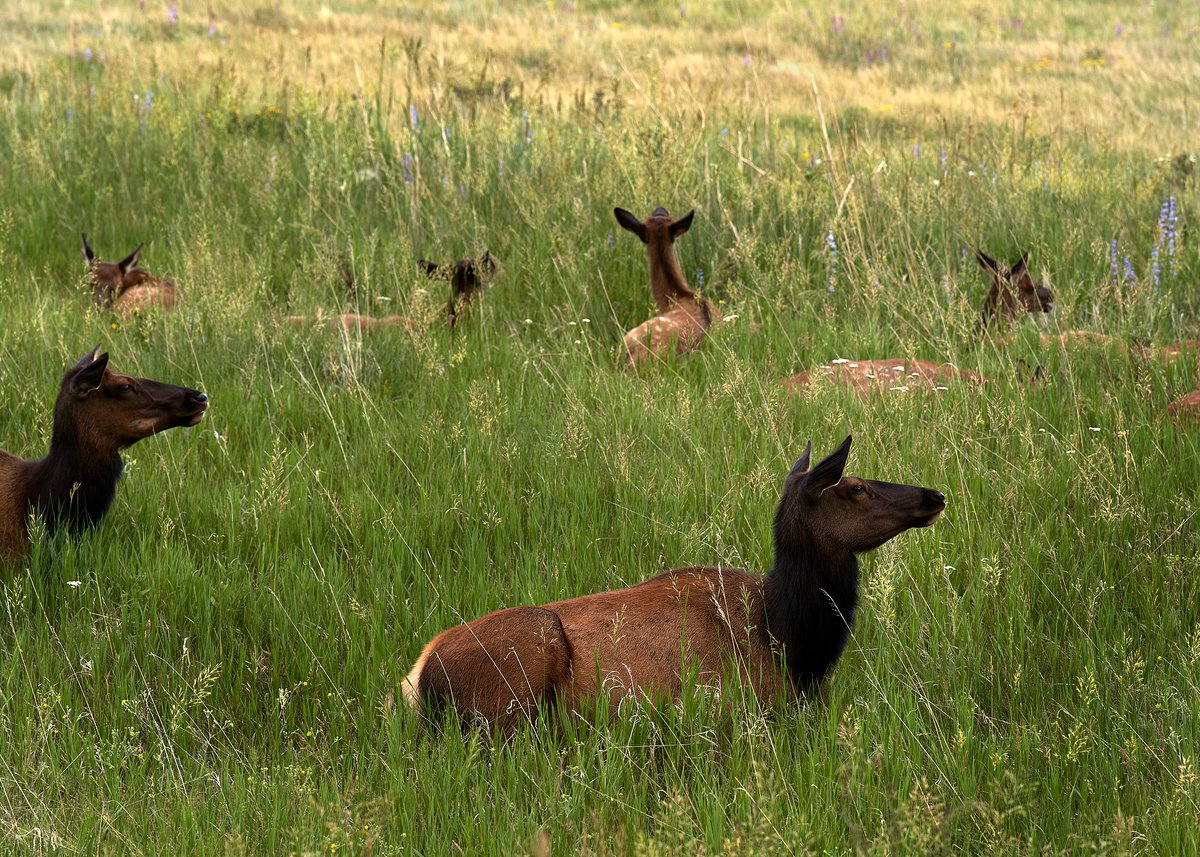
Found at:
(466, 277)
(683, 317)
(98, 412)
(1012, 290)
(123, 286)
(349, 322)
(879, 376)
(780, 634)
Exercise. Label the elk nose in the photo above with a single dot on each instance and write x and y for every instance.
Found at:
(199, 397)
(937, 497)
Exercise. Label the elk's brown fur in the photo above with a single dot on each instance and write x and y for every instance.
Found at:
(1012, 291)
(876, 376)
(779, 634)
(683, 317)
(466, 277)
(98, 413)
(124, 287)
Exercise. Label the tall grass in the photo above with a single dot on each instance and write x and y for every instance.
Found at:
(216, 667)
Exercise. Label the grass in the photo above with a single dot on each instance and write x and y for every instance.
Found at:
(215, 669)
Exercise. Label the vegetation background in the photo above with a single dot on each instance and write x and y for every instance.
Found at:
(216, 668)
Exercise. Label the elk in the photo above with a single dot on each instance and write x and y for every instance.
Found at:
(876, 376)
(683, 317)
(1012, 290)
(98, 413)
(465, 276)
(123, 286)
(779, 633)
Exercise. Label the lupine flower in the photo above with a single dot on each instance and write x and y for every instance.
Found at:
(831, 243)
(406, 166)
(87, 54)
(838, 24)
(412, 116)
(173, 15)
(1120, 28)
(917, 149)
(1130, 277)
(943, 157)
(700, 278)
(724, 132)
(1112, 269)
(212, 31)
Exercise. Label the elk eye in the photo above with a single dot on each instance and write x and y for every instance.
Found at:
(125, 388)
(859, 489)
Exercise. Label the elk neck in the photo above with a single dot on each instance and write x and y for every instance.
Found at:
(810, 598)
(74, 485)
(666, 277)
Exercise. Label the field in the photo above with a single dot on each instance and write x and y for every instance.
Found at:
(216, 668)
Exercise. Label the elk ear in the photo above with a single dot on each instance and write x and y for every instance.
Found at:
(430, 268)
(827, 473)
(1020, 266)
(130, 261)
(631, 223)
(803, 462)
(681, 225)
(91, 372)
(88, 256)
(987, 262)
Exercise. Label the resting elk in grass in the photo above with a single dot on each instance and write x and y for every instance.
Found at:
(349, 322)
(123, 286)
(780, 634)
(98, 413)
(683, 317)
(466, 277)
(881, 376)
(1012, 290)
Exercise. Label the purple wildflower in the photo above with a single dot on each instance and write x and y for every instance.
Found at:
(724, 132)
(173, 15)
(1130, 277)
(412, 117)
(700, 278)
(831, 244)
(917, 149)
(838, 24)
(1112, 268)
(746, 60)
(87, 54)
(212, 31)
(1120, 28)
(682, 14)
(406, 166)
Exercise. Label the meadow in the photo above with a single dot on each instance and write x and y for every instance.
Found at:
(216, 668)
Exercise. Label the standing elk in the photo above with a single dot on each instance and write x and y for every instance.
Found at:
(123, 286)
(780, 633)
(683, 317)
(98, 413)
(466, 277)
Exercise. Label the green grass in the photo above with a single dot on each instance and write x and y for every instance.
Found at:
(1024, 677)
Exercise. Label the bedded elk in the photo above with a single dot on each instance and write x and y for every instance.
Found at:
(1012, 290)
(466, 277)
(875, 376)
(98, 412)
(683, 317)
(123, 286)
(780, 633)
(349, 322)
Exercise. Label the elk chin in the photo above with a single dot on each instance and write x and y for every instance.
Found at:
(928, 520)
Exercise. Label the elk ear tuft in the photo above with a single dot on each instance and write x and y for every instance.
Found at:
(681, 225)
(88, 256)
(987, 262)
(630, 223)
(430, 268)
(130, 262)
(803, 462)
(827, 473)
(1020, 266)
(91, 372)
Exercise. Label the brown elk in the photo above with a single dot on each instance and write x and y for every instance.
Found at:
(466, 277)
(98, 413)
(1012, 290)
(683, 317)
(875, 376)
(123, 286)
(780, 634)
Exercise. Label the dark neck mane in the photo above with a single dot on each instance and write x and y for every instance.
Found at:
(666, 277)
(810, 603)
(74, 485)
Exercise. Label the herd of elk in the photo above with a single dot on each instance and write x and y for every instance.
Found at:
(98, 413)
(683, 317)
(778, 633)
(124, 287)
